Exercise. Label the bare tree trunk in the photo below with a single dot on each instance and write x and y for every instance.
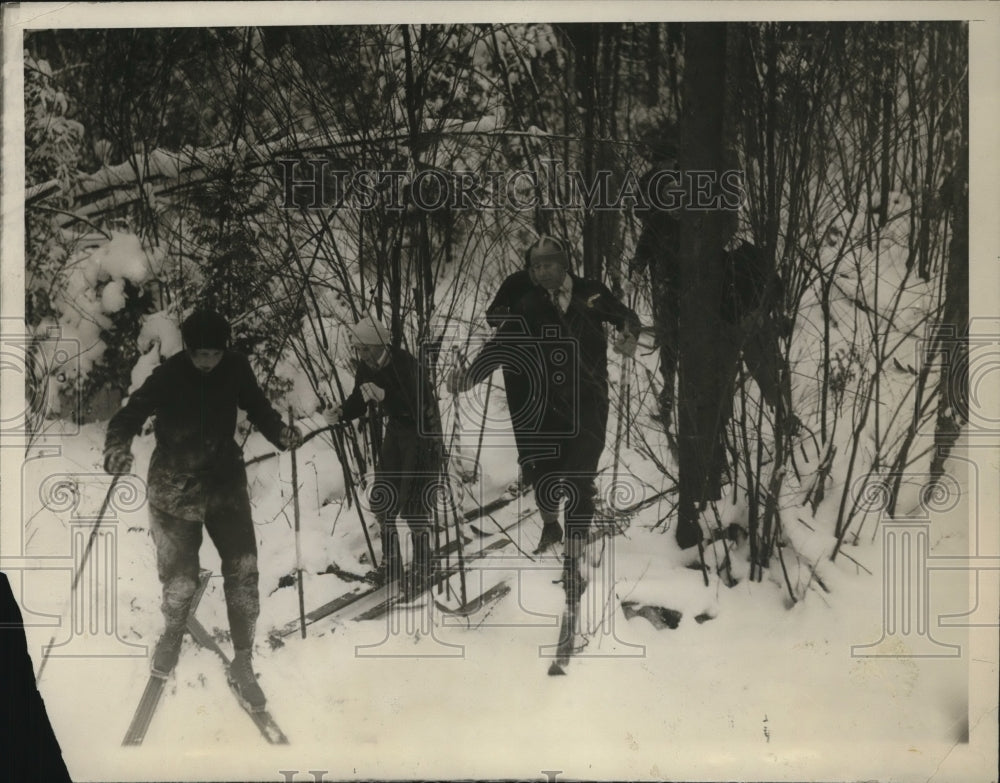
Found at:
(705, 390)
(927, 196)
(653, 62)
(886, 96)
(421, 241)
(953, 400)
(586, 75)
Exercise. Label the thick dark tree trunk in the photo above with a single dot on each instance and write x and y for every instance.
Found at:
(704, 390)
(953, 399)
(596, 68)
(585, 39)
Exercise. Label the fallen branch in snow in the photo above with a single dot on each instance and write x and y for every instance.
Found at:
(788, 541)
(647, 502)
(784, 570)
(859, 565)
(814, 573)
(343, 574)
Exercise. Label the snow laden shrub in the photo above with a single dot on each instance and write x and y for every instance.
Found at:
(97, 303)
(52, 141)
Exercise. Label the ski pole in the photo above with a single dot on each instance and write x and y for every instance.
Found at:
(461, 555)
(298, 535)
(341, 453)
(305, 439)
(455, 439)
(83, 563)
(340, 449)
(482, 427)
(628, 404)
(458, 531)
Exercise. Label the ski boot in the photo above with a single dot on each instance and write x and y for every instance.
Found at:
(688, 533)
(167, 651)
(517, 486)
(552, 533)
(244, 681)
(378, 576)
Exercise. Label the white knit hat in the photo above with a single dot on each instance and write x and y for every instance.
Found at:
(368, 331)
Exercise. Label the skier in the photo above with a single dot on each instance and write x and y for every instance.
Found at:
(197, 478)
(555, 324)
(412, 448)
(503, 316)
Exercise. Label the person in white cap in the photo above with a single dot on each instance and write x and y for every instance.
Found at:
(412, 447)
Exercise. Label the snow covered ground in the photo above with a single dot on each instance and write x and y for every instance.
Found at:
(775, 679)
(759, 689)
(748, 684)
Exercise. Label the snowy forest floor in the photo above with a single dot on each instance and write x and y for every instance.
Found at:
(759, 690)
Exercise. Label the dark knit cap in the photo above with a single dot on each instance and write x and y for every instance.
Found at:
(205, 329)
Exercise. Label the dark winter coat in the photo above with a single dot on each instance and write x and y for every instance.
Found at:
(411, 452)
(196, 455)
(502, 315)
(409, 396)
(560, 410)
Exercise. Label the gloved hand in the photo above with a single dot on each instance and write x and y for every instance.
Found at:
(372, 392)
(290, 438)
(458, 381)
(625, 344)
(117, 460)
(332, 415)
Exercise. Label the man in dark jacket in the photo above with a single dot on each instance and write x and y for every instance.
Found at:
(412, 447)
(503, 316)
(197, 478)
(553, 332)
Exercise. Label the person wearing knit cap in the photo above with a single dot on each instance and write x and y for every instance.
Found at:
(412, 448)
(197, 481)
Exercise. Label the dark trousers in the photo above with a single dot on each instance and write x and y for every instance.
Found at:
(565, 468)
(404, 486)
(230, 527)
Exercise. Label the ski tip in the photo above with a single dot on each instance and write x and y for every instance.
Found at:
(556, 669)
